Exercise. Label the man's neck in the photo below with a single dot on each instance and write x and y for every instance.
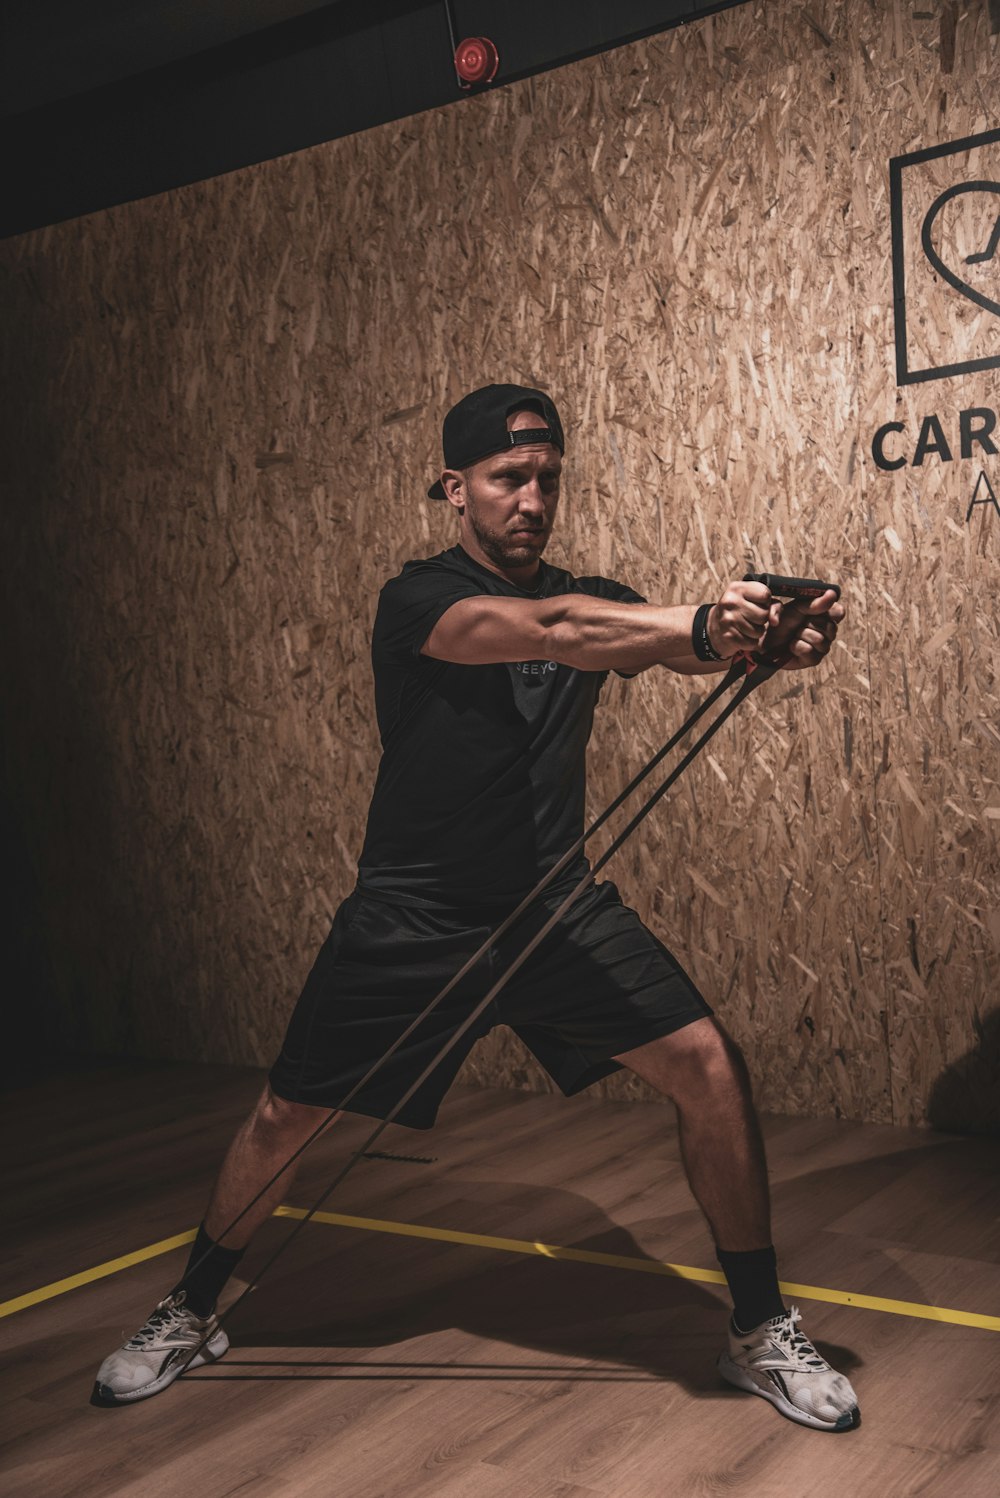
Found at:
(526, 577)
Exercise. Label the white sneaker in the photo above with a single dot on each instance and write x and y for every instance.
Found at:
(781, 1363)
(153, 1358)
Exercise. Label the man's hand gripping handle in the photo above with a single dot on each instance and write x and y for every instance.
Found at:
(800, 636)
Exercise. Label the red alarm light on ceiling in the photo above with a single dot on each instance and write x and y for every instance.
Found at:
(476, 61)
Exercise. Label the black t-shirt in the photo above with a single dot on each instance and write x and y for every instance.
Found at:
(481, 785)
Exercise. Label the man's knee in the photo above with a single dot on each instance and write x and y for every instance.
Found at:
(697, 1059)
(707, 1056)
(276, 1118)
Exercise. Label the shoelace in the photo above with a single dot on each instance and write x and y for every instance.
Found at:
(799, 1347)
(168, 1316)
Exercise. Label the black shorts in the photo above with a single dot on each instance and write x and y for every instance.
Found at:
(599, 984)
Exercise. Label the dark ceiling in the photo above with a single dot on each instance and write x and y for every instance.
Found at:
(104, 102)
(55, 48)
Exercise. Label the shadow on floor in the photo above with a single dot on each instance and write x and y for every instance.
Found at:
(371, 1290)
(342, 1289)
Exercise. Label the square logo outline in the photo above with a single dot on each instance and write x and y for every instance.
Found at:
(904, 374)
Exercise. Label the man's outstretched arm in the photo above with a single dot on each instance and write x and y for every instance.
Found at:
(599, 634)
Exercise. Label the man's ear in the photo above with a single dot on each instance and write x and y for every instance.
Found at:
(453, 484)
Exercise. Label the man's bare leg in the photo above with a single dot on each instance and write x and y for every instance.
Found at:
(704, 1074)
(250, 1184)
(702, 1070)
(182, 1331)
(272, 1133)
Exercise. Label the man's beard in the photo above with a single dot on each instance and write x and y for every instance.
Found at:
(505, 550)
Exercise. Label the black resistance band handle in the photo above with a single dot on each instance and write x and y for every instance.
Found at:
(791, 587)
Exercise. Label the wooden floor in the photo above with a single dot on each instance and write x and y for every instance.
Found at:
(376, 1366)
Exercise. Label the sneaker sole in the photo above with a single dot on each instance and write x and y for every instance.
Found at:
(734, 1374)
(216, 1347)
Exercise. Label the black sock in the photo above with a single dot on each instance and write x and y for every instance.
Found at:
(208, 1269)
(752, 1277)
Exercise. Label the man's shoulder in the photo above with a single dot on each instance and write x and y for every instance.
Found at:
(562, 581)
(453, 570)
(444, 564)
(410, 603)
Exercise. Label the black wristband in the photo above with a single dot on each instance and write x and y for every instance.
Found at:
(700, 643)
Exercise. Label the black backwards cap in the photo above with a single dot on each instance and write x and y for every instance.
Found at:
(477, 427)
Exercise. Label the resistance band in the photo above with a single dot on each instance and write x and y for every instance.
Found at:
(747, 672)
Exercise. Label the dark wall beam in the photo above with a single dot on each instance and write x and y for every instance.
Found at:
(332, 72)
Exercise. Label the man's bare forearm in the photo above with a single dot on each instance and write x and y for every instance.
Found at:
(598, 634)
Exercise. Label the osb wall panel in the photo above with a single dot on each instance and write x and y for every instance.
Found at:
(225, 410)
(931, 552)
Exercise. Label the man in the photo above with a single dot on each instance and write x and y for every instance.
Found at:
(488, 665)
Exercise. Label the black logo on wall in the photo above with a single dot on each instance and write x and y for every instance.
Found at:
(945, 207)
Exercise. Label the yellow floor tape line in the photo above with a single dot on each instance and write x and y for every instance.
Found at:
(521, 1246)
(650, 1266)
(87, 1276)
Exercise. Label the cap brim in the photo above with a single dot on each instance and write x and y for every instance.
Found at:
(436, 491)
